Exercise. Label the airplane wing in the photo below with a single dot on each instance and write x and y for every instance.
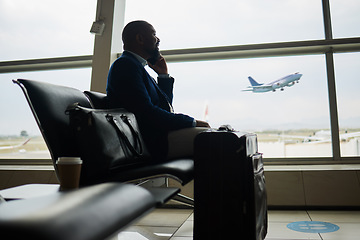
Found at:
(15, 146)
(261, 88)
(248, 89)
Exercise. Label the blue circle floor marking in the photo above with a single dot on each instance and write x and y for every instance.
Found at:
(313, 227)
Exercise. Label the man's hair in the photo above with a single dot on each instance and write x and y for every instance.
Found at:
(132, 29)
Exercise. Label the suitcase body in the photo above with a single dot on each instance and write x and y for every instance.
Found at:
(229, 187)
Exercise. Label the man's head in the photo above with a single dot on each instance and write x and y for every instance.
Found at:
(140, 38)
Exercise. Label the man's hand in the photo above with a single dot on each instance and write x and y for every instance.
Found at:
(160, 67)
(200, 123)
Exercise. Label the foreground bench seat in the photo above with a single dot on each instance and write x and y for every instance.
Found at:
(94, 212)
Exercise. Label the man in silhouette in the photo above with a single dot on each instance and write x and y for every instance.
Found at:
(166, 134)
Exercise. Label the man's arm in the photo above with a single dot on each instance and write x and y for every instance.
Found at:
(200, 123)
(166, 83)
(126, 88)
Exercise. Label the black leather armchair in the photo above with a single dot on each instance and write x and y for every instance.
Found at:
(48, 103)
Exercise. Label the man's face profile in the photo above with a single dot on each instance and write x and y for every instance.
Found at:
(151, 44)
(140, 37)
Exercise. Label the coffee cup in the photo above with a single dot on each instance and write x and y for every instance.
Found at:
(69, 169)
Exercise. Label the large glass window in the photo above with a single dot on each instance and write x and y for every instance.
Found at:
(348, 99)
(290, 123)
(200, 23)
(17, 123)
(345, 18)
(286, 121)
(42, 29)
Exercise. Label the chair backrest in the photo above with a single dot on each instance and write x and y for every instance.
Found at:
(97, 100)
(48, 103)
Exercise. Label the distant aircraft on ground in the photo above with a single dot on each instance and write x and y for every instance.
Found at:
(15, 146)
(286, 81)
(322, 136)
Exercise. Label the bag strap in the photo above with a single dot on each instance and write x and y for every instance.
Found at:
(119, 129)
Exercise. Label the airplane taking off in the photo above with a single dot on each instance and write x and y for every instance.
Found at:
(286, 81)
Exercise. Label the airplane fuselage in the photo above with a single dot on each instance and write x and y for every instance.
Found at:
(286, 81)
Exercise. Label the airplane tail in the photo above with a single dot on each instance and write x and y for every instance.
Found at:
(253, 82)
(206, 112)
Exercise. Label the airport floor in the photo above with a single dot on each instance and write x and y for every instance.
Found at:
(177, 224)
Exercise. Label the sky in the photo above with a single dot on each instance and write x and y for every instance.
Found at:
(42, 29)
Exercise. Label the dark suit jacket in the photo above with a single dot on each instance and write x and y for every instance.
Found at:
(130, 86)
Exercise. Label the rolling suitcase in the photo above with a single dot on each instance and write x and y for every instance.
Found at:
(229, 187)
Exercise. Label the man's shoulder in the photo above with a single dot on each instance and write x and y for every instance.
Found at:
(127, 61)
(127, 58)
(124, 66)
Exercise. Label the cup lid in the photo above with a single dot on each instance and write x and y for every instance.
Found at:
(69, 160)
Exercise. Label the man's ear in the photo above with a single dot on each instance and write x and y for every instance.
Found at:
(139, 39)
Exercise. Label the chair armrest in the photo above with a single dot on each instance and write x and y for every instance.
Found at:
(97, 100)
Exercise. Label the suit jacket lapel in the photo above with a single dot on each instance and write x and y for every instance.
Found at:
(163, 97)
(160, 92)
